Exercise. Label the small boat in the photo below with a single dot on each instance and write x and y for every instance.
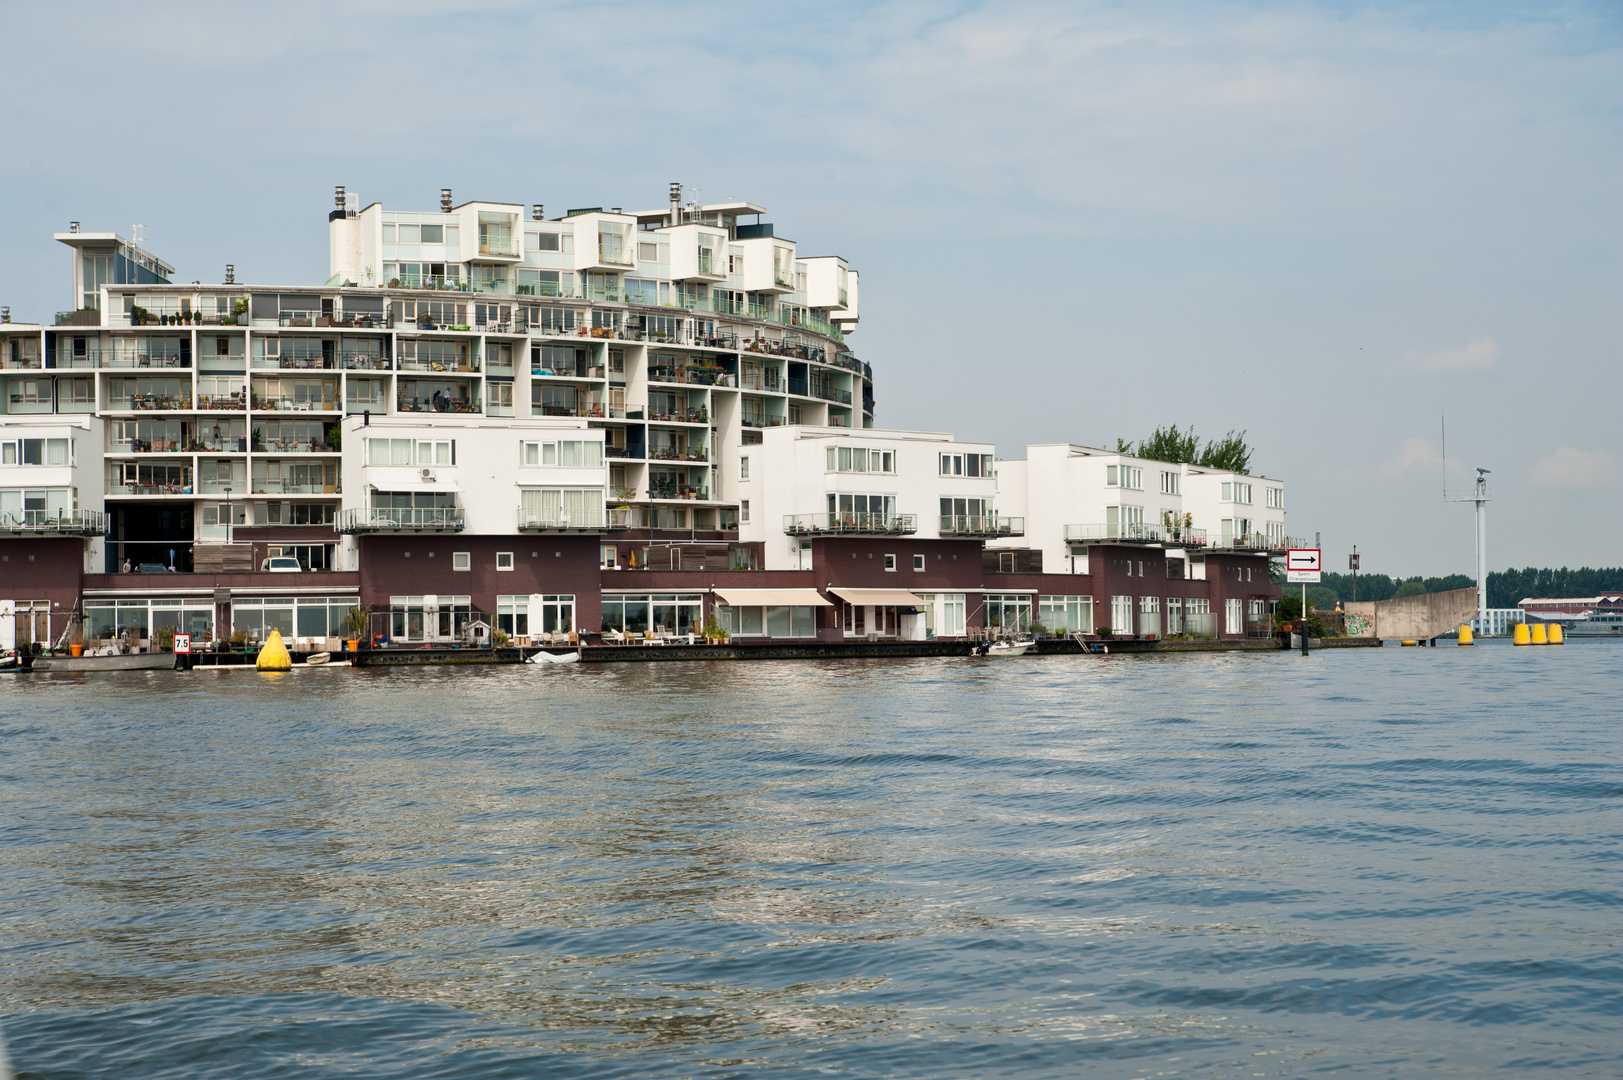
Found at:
(316, 659)
(1003, 648)
(545, 657)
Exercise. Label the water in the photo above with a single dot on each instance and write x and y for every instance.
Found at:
(1363, 863)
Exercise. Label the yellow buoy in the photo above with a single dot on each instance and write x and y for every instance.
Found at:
(1539, 637)
(1466, 637)
(1519, 635)
(1408, 642)
(1555, 634)
(273, 654)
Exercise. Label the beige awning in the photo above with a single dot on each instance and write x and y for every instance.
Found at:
(879, 597)
(772, 597)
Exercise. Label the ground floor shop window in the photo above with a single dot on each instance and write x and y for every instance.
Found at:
(1009, 611)
(1066, 614)
(139, 619)
(660, 613)
(780, 621)
(303, 617)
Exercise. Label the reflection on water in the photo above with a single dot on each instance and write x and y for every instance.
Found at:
(1213, 865)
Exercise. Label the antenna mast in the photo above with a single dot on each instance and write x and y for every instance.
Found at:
(1479, 496)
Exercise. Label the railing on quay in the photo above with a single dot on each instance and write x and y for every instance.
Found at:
(850, 524)
(367, 519)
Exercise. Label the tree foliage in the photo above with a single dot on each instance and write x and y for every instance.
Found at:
(1183, 447)
(1505, 588)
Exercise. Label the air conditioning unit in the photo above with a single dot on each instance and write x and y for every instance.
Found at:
(428, 475)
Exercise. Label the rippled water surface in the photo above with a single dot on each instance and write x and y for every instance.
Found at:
(1361, 863)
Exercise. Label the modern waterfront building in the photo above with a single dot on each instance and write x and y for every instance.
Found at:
(1585, 616)
(627, 420)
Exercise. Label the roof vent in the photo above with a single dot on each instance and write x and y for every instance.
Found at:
(676, 203)
(338, 196)
(5, 314)
(73, 226)
(445, 200)
(230, 273)
(614, 210)
(536, 213)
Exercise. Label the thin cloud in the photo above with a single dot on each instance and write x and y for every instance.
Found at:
(1571, 467)
(1478, 354)
(1413, 452)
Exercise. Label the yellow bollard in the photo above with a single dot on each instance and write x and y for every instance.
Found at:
(1466, 637)
(273, 654)
(1555, 634)
(1519, 635)
(1539, 637)
(1408, 642)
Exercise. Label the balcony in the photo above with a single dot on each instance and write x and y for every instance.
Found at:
(1135, 532)
(293, 446)
(670, 454)
(88, 317)
(763, 421)
(612, 254)
(25, 363)
(151, 403)
(592, 412)
(442, 405)
(234, 402)
(831, 393)
(679, 416)
(53, 523)
(150, 446)
(558, 519)
(1258, 543)
(674, 492)
(450, 367)
(351, 361)
(420, 519)
(850, 524)
(976, 525)
(282, 404)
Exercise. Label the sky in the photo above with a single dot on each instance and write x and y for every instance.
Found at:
(1326, 225)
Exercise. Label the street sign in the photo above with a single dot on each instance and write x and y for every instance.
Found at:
(183, 644)
(1352, 561)
(1302, 566)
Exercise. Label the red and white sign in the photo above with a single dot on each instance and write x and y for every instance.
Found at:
(1303, 565)
(183, 644)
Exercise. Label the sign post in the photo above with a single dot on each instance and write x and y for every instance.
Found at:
(183, 651)
(1305, 566)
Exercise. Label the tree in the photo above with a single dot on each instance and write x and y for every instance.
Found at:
(1320, 598)
(1229, 453)
(1170, 444)
(1412, 587)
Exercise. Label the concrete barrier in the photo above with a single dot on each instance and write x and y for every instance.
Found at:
(1413, 618)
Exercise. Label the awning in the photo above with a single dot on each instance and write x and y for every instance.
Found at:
(772, 597)
(416, 485)
(879, 597)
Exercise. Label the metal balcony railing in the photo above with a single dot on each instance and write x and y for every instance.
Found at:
(981, 525)
(57, 522)
(1136, 532)
(850, 524)
(401, 519)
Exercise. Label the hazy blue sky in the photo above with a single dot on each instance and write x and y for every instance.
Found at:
(1322, 223)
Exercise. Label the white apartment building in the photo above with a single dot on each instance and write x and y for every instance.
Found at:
(803, 483)
(1076, 497)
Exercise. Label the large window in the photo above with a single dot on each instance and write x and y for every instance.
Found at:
(1169, 483)
(966, 464)
(37, 452)
(305, 617)
(551, 613)
(1066, 614)
(577, 454)
(1121, 614)
(943, 614)
(1127, 476)
(778, 622)
(860, 459)
(1237, 492)
(678, 613)
(411, 452)
(1011, 611)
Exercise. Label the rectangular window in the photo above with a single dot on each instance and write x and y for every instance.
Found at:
(744, 510)
(890, 564)
(504, 560)
(743, 468)
(918, 563)
(461, 560)
(1169, 483)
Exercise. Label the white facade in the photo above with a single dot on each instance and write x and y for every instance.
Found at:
(804, 482)
(1074, 496)
(484, 476)
(50, 480)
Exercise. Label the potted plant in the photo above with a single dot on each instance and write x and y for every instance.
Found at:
(239, 640)
(356, 622)
(1103, 632)
(714, 632)
(502, 639)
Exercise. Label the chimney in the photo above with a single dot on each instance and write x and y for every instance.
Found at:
(445, 200)
(338, 196)
(5, 314)
(536, 213)
(230, 273)
(73, 226)
(676, 203)
(614, 210)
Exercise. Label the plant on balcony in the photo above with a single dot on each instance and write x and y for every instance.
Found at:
(1038, 629)
(356, 621)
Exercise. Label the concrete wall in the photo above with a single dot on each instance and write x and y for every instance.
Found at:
(1411, 618)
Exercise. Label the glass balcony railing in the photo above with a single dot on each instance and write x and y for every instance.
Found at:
(981, 525)
(378, 519)
(59, 522)
(850, 524)
(559, 519)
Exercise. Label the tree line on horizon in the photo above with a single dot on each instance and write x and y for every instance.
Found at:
(1506, 588)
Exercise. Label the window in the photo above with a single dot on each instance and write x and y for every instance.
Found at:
(504, 560)
(1126, 476)
(681, 613)
(1011, 611)
(918, 564)
(608, 557)
(943, 614)
(966, 464)
(1234, 616)
(36, 452)
(1121, 614)
(744, 510)
(743, 468)
(1169, 483)
(571, 454)
(1276, 498)
(787, 622)
(858, 459)
(410, 452)
(890, 564)
(1066, 614)
(1237, 492)
(461, 560)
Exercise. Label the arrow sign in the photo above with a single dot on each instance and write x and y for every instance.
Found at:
(1302, 565)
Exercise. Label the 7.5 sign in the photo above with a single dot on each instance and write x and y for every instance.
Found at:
(1303, 565)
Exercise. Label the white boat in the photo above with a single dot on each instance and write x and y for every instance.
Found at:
(316, 659)
(544, 657)
(1003, 648)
